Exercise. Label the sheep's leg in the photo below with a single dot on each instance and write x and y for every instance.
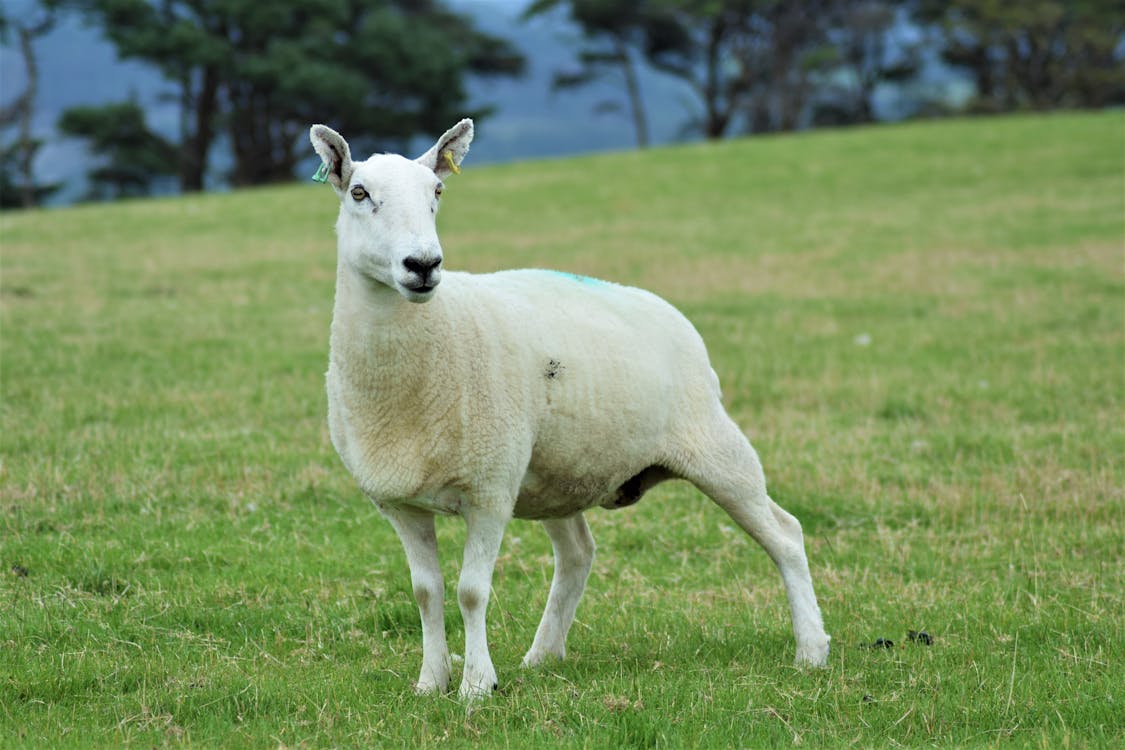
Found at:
(484, 531)
(574, 555)
(416, 530)
(731, 475)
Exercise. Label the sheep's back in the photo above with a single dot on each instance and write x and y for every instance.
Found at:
(607, 376)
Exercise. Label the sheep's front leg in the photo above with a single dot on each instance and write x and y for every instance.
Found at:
(416, 530)
(574, 555)
(484, 531)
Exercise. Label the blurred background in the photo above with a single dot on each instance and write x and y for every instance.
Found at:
(103, 99)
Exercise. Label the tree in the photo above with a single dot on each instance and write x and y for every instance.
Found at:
(389, 70)
(614, 32)
(264, 71)
(797, 50)
(131, 156)
(1038, 54)
(180, 38)
(751, 59)
(861, 38)
(16, 189)
(18, 186)
(687, 39)
(695, 41)
(754, 58)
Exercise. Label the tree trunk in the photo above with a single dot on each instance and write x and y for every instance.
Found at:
(760, 119)
(790, 80)
(196, 146)
(633, 89)
(716, 120)
(26, 105)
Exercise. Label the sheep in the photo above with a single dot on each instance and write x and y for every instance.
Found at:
(523, 394)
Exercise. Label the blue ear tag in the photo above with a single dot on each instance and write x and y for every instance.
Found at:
(321, 174)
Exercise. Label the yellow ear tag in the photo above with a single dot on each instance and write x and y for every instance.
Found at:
(452, 164)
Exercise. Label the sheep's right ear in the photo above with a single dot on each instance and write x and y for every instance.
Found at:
(334, 152)
(445, 156)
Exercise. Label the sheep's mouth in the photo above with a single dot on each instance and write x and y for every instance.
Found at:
(419, 293)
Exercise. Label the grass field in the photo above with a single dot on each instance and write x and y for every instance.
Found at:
(922, 329)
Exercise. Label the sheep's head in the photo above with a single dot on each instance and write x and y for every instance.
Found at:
(388, 205)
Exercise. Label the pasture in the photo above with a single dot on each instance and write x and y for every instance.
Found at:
(921, 328)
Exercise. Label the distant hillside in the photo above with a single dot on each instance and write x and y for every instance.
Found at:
(78, 67)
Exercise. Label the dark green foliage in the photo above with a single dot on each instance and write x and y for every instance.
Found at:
(754, 60)
(770, 65)
(131, 156)
(14, 187)
(1039, 54)
(615, 33)
(758, 64)
(865, 57)
(19, 186)
(388, 69)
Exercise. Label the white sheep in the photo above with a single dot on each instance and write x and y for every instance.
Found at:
(522, 394)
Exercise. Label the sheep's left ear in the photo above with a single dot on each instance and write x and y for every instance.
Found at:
(333, 151)
(445, 156)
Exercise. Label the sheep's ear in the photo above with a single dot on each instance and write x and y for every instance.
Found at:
(334, 152)
(445, 156)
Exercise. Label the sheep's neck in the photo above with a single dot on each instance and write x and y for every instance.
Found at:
(379, 340)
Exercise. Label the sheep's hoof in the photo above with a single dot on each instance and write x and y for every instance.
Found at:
(473, 693)
(432, 682)
(534, 657)
(813, 655)
(478, 683)
(429, 687)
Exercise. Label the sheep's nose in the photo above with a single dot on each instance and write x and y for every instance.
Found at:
(421, 266)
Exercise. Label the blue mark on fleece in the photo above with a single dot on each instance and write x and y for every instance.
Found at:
(579, 279)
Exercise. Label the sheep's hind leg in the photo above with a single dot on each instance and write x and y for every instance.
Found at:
(416, 530)
(574, 555)
(731, 475)
(484, 531)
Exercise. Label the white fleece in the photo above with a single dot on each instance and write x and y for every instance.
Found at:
(527, 394)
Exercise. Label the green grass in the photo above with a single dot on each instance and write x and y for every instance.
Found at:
(921, 327)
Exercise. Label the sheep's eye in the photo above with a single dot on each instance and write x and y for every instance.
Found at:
(359, 193)
(437, 191)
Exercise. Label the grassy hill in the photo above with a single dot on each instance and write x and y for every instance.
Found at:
(920, 327)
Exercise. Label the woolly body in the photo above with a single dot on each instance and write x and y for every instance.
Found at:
(526, 394)
(561, 388)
